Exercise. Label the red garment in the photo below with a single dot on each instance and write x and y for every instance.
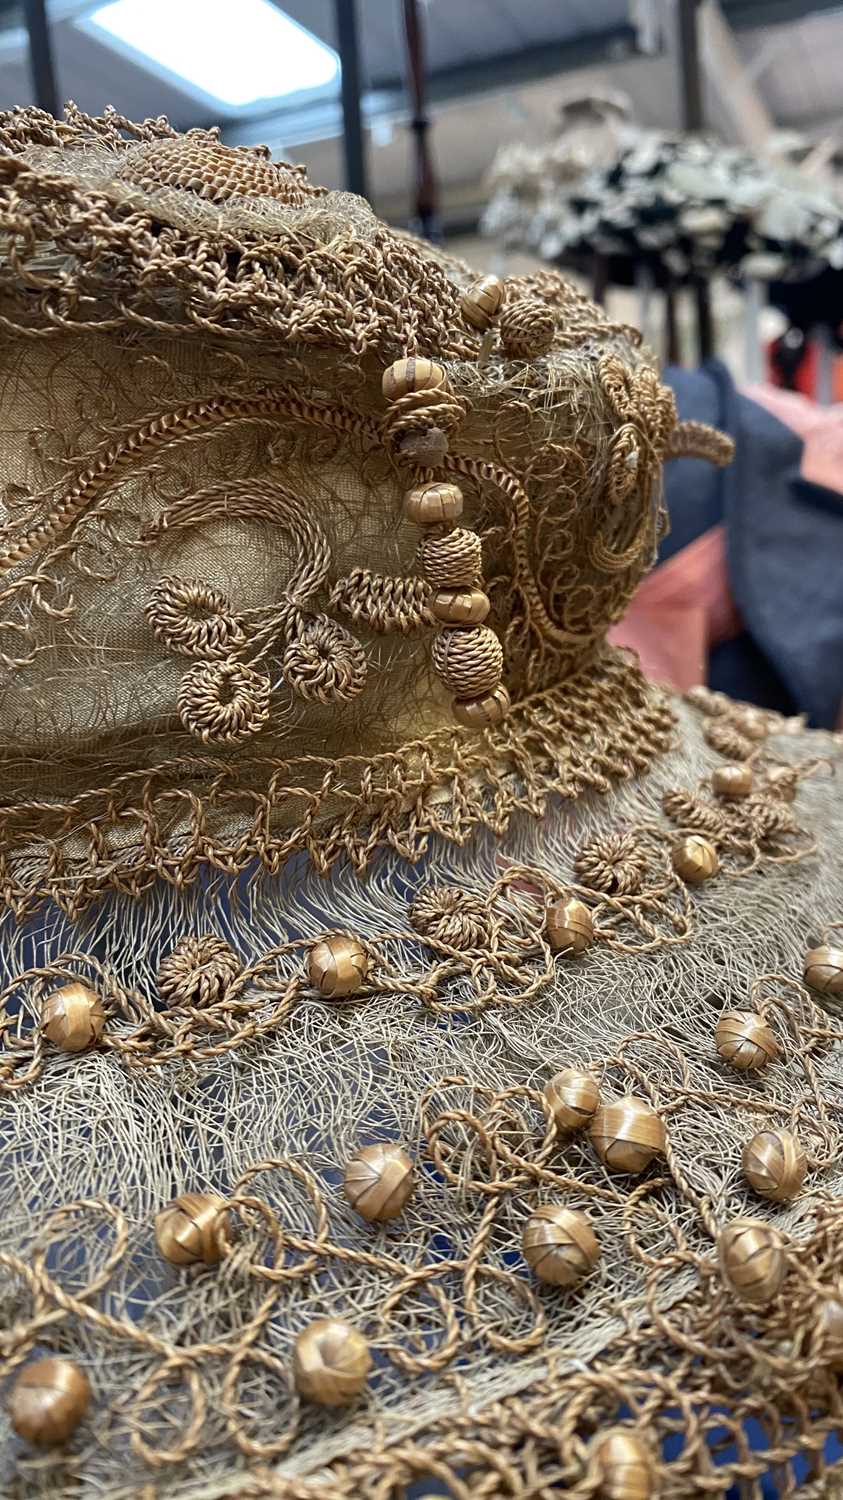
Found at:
(685, 607)
(682, 609)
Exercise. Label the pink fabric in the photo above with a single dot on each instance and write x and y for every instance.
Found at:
(820, 428)
(680, 611)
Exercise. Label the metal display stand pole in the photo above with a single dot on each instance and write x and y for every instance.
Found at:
(692, 120)
(354, 146)
(41, 56)
(426, 205)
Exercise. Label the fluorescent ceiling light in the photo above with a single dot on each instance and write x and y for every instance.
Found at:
(236, 52)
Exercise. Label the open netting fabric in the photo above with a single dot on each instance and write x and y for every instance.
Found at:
(224, 737)
(260, 1091)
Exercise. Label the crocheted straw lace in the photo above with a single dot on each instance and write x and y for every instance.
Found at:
(221, 739)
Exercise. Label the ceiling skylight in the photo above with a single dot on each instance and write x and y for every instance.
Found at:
(235, 54)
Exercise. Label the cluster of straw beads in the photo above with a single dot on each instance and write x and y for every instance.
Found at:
(744, 1039)
(48, 1401)
(331, 1362)
(560, 1245)
(467, 655)
(379, 1181)
(627, 1134)
(774, 1164)
(200, 971)
(194, 619)
(325, 663)
(73, 1017)
(752, 1260)
(189, 1231)
(223, 702)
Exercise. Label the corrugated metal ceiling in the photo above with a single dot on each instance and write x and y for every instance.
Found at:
(475, 43)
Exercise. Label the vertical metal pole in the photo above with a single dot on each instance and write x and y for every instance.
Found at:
(753, 355)
(426, 207)
(599, 278)
(692, 119)
(689, 65)
(672, 348)
(352, 120)
(41, 56)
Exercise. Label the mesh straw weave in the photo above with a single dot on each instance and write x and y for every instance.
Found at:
(223, 738)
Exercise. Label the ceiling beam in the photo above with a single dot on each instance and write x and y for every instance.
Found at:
(746, 14)
(526, 65)
(387, 96)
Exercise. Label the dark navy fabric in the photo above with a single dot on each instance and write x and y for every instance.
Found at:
(784, 539)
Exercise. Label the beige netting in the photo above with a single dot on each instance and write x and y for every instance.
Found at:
(223, 738)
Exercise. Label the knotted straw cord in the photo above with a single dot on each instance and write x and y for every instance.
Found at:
(698, 440)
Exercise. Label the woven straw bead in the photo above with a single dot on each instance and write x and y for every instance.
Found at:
(338, 966)
(527, 328)
(750, 722)
(434, 504)
(571, 1096)
(484, 712)
(824, 969)
(469, 659)
(745, 1040)
(569, 927)
(627, 1134)
(559, 1245)
(482, 301)
(331, 1362)
(625, 1466)
(73, 1017)
(48, 1401)
(189, 1230)
(379, 1182)
(460, 606)
(752, 1260)
(695, 859)
(412, 375)
(453, 561)
(828, 1334)
(732, 781)
(774, 1164)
